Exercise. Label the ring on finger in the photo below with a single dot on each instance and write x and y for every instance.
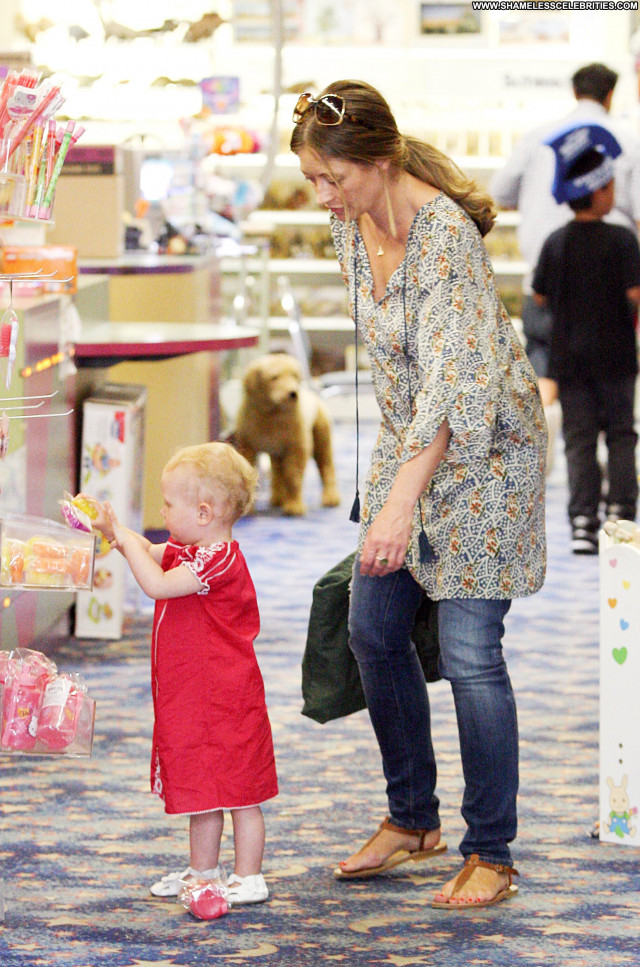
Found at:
(383, 560)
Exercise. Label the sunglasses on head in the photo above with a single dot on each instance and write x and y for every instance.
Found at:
(330, 109)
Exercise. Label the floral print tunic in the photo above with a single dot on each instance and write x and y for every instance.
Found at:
(442, 347)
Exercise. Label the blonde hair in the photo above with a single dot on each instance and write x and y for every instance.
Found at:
(217, 469)
(370, 134)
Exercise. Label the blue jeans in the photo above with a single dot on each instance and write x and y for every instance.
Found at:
(381, 616)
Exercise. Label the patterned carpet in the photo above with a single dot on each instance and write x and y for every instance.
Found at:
(83, 839)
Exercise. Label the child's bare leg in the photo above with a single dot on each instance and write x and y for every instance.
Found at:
(248, 839)
(205, 832)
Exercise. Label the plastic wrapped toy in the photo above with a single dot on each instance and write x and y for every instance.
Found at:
(623, 532)
(26, 677)
(77, 512)
(43, 712)
(4, 661)
(205, 899)
(66, 716)
(40, 553)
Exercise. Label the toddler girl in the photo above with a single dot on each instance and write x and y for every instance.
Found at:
(212, 745)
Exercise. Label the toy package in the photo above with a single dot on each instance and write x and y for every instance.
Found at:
(205, 899)
(40, 553)
(78, 512)
(43, 711)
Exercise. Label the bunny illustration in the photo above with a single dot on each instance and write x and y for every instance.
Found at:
(620, 816)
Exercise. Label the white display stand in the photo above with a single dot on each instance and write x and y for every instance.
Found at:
(619, 681)
(111, 468)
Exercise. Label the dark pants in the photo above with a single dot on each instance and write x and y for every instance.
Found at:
(536, 325)
(591, 405)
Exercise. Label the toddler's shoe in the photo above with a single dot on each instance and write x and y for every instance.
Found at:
(247, 889)
(172, 883)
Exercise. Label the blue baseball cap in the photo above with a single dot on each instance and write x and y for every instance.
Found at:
(569, 143)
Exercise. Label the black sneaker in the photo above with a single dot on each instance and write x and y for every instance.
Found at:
(584, 537)
(617, 512)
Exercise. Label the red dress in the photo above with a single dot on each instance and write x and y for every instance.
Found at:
(212, 745)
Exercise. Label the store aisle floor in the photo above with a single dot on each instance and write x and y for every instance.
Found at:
(83, 839)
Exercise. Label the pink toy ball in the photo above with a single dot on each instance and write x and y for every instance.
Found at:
(207, 903)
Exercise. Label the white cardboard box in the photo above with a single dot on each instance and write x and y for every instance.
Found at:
(111, 468)
(619, 702)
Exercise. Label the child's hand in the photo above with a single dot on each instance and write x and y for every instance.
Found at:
(99, 518)
(115, 527)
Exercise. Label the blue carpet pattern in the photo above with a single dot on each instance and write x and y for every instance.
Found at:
(82, 839)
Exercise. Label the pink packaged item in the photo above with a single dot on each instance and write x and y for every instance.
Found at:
(4, 660)
(205, 899)
(66, 716)
(27, 674)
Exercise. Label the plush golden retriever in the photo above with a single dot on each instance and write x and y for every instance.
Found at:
(280, 416)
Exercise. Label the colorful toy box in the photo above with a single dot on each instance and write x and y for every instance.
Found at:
(619, 680)
(111, 468)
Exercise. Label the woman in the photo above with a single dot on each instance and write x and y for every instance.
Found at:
(454, 499)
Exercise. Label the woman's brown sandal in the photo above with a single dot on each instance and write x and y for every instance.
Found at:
(471, 863)
(397, 858)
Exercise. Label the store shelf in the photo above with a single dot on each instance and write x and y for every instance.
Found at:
(310, 323)
(289, 161)
(508, 219)
(268, 219)
(331, 267)
(510, 268)
(301, 266)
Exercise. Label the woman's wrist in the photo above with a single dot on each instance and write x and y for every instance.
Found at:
(402, 501)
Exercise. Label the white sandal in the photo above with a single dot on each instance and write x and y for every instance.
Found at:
(247, 889)
(171, 883)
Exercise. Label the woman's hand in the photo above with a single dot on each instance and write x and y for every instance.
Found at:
(387, 539)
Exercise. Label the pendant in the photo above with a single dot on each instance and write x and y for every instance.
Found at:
(380, 251)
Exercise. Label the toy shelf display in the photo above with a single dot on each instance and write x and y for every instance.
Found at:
(37, 553)
(43, 712)
(32, 146)
(619, 677)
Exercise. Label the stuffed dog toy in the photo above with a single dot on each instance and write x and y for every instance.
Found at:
(280, 416)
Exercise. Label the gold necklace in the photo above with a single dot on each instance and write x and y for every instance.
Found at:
(380, 251)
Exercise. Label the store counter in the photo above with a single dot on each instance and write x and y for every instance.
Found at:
(108, 343)
(159, 288)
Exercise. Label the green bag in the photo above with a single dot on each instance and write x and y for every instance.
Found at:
(331, 686)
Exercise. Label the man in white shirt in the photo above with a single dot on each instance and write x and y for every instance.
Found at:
(525, 183)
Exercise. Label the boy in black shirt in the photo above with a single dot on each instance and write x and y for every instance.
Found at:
(589, 276)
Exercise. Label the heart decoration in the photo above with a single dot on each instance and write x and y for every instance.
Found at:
(613, 562)
(624, 624)
(626, 585)
(612, 602)
(619, 655)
